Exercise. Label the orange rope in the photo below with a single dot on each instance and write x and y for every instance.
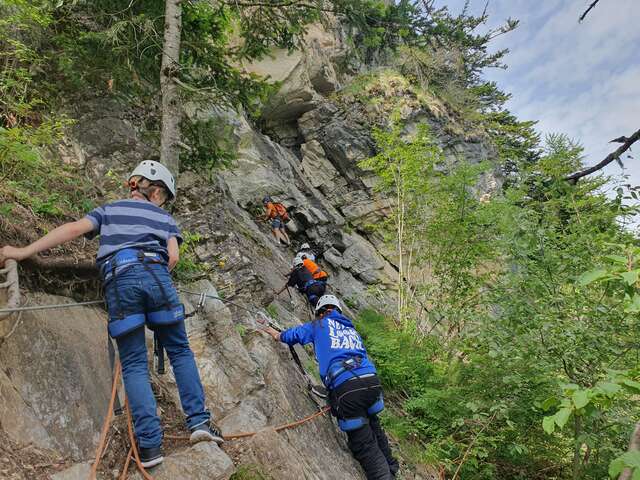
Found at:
(125, 469)
(133, 443)
(279, 428)
(107, 422)
(133, 451)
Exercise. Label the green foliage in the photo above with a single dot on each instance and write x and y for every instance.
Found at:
(376, 26)
(188, 268)
(439, 226)
(242, 330)
(211, 145)
(272, 310)
(509, 339)
(46, 186)
(626, 460)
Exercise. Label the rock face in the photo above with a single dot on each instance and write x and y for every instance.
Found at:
(55, 379)
(204, 461)
(80, 471)
(306, 76)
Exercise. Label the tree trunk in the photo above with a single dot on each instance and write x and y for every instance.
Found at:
(634, 445)
(171, 106)
(577, 446)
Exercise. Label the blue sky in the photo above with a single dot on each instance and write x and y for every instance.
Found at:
(579, 79)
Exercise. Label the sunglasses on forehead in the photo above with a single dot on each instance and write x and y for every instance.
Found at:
(134, 182)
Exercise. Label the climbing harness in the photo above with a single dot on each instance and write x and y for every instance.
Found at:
(333, 372)
(123, 324)
(354, 423)
(338, 368)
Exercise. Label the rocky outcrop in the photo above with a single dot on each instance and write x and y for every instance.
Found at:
(305, 76)
(55, 379)
(204, 461)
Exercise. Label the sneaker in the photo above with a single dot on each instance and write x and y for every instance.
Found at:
(207, 432)
(150, 457)
(319, 391)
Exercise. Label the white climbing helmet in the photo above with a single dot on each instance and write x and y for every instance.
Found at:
(328, 300)
(156, 172)
(305, 246)
(298, 261)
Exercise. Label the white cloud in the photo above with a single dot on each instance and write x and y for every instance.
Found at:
(579, 79)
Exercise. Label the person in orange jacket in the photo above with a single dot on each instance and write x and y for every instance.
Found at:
(278, 216)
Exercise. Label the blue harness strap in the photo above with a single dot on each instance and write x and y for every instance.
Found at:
(166, 317)
(337, 369)
(308, 284)
(123, 259)
(349, 424)
(119, 326)
(376, 407)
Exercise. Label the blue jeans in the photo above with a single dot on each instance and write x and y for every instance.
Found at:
(277, 223)
(139, 293)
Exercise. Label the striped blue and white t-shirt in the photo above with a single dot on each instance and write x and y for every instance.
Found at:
(132, 224)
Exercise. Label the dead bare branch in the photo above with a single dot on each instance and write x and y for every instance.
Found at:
(574, 177)
(62, 265)
(586, 12)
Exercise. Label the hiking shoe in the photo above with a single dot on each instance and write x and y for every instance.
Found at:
(319, 391)
(207, 432)
(150, 457)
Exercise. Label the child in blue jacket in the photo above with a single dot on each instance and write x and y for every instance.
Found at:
(355, 393)
(138, 247)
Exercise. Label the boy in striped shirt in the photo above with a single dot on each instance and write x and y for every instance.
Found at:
(139, 243)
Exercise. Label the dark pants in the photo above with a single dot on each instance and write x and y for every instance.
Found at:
(314, 292)
(368, 444)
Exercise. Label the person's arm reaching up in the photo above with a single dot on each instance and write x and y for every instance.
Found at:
(57, 236)
(301, 334)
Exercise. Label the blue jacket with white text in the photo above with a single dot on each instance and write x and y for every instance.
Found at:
(334, 340)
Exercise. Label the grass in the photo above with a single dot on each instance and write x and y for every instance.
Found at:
(272, 310)
(250, 472)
